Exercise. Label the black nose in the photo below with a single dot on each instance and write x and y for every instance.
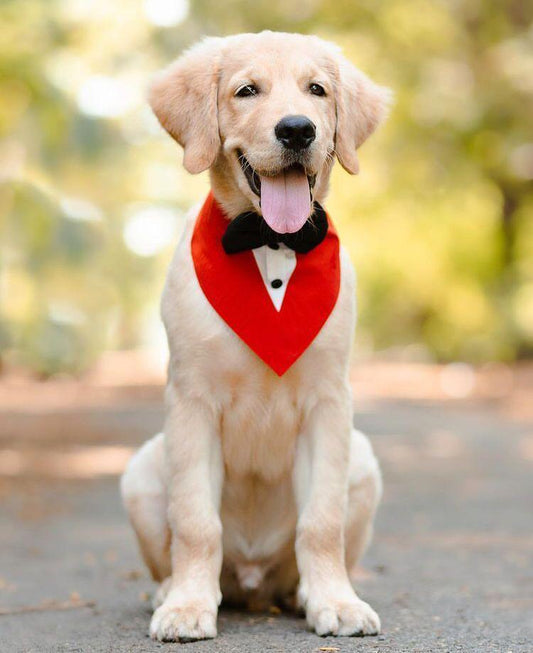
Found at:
(295, 132)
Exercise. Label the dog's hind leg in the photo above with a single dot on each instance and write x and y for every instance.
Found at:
(145, 498)
(364, 494)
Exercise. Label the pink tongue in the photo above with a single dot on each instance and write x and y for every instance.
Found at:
(285, 201)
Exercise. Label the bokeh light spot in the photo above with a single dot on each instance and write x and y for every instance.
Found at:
(166, 13)
(105, 97)
(150, 229)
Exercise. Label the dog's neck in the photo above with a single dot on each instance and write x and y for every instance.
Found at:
(233, 201)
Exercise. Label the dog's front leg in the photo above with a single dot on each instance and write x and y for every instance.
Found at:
(320, 480)
(195, 471)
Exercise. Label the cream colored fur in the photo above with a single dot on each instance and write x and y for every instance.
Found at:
(259, 486)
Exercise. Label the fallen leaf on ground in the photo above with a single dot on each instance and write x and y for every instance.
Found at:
(48, 606)
(134, 574)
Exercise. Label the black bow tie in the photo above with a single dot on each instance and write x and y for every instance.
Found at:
(249, 230)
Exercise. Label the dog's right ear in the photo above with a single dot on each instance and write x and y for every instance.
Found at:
(184, 99)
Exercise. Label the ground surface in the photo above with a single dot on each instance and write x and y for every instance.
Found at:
(450, 568)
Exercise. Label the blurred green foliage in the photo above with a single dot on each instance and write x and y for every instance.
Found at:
(92, 194)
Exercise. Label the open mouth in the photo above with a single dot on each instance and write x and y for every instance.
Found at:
(285, 197)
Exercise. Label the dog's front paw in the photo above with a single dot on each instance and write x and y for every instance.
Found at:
(346, 616)
(161, 593)
(183, 623)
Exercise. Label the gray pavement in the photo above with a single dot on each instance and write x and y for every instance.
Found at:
(450, 568)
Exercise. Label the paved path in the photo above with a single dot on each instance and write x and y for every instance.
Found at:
(450, 568)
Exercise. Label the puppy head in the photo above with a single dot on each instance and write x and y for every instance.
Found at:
(267, 113)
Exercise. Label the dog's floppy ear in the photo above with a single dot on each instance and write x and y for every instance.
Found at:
(184, 99)
(361, 106)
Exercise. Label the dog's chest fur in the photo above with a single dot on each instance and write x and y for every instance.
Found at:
(259, 425)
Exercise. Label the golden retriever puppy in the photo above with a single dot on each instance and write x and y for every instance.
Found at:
(259, 489)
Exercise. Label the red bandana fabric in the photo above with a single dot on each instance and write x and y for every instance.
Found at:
(233, 286)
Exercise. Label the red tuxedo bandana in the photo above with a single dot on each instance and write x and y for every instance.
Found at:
(233, 286)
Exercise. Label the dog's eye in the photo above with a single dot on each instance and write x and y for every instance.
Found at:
(317, 89)
(247, 90)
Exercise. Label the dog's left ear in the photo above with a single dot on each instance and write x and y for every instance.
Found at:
(361, 106)
(184, 99)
